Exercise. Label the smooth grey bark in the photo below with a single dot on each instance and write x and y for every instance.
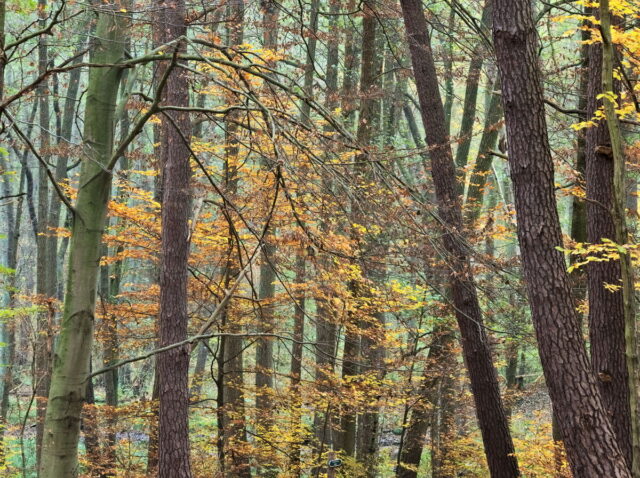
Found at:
(45, 266)
(72, 354)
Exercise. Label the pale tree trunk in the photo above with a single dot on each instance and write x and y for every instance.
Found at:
(14, 222)
(492, 420)
(72, 355)
(45, 283)
(589, 438)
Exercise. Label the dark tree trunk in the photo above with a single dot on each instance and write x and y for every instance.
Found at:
(465, 136)
(231, 403)
(606, 307)
(482, 374)
(424, 414)
(589, 438)
(173, 366)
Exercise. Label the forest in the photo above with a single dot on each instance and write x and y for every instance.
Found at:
(319, 238)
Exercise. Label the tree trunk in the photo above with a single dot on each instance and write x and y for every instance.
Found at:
(465, 136)
(267, 288)
(589, 438)
(629, 345)
(371, 329)
(45, 282)
(14, 221)
(296, 363)
(232, 419)
(606, 307)
(173, 365)
(484, 159)
(424, 414)
(482, 374)
(71, 360)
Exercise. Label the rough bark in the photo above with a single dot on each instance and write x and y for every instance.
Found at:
(606, 308)
(621, 237)
(589, 438)
(490, 413)
(173, 366)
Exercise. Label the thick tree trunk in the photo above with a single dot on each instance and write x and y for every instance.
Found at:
(482, 374)
(173, 366)
(71, 360)
(589, 438)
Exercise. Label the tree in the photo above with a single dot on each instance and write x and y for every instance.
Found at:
(482, 374)
(593, 450)
(72, 354)
(173, 366)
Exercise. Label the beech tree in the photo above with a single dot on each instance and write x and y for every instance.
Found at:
(72, 354)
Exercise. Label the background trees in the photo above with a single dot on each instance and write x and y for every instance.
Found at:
(263, 256)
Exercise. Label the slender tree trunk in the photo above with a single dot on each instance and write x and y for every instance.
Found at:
(629, 396)
(173, 366)
(425, 412)
(350, 69)
(606, 307)
(482, 374)
(197, 381)
(45, 282)
(589, 438)
(71, 360)
(449, 86)
(370, 329)
(232, 419)
(484, 159)
(267, 289)
(465, 136)
(14, 222)
(296, 363)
